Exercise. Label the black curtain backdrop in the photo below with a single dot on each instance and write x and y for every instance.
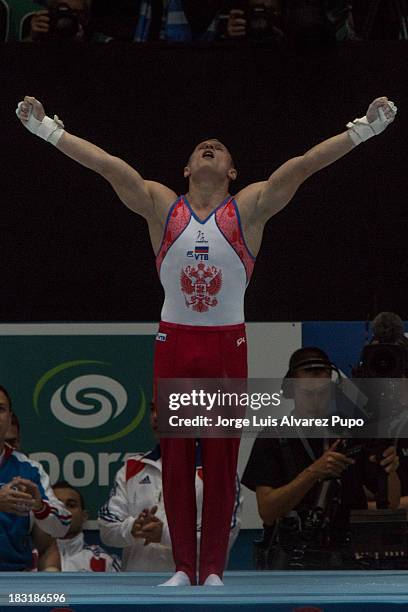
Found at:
(70, 251)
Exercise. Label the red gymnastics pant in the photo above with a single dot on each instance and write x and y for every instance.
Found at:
(200, 352)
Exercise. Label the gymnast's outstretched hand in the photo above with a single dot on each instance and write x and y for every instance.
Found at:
(30, 106)
(383, 109)
(380, 114)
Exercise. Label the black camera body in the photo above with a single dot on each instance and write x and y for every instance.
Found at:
(64, 23)
(380, 376)
(383, 360)
(263, 23)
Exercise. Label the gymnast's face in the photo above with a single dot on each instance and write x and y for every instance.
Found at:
(210, 158)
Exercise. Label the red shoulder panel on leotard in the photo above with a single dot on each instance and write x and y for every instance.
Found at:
(177, 221)
(229, 223)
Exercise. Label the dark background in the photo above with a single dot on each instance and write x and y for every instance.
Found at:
(70, 251)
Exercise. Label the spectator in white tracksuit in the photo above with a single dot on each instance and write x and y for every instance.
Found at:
(134, 518)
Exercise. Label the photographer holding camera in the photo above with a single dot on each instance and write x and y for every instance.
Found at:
(294, 473)
(64, 21)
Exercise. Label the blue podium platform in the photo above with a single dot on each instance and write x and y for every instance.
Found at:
(244, 591)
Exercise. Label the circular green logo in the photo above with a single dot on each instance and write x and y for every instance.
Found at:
(88, 401)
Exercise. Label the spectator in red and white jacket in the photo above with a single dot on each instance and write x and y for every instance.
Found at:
(134, 518)
(72, 553)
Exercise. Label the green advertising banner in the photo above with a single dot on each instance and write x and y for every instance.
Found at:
(82, 398)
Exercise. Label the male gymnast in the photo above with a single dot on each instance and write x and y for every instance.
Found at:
(202, 332)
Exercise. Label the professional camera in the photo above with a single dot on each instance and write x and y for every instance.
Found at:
(383, 360)
(64, 23)
(383, 370)
(373, 540)
(264, 23)
(306, 541)
(386, 356)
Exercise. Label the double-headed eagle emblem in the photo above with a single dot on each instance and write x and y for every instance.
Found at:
(199, 285)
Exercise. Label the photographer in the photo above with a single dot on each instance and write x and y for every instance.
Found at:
(287, 474)
(260, 20)
(64, 21)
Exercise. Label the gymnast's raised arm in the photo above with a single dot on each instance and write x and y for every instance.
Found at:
(147, 198)
(269, 197)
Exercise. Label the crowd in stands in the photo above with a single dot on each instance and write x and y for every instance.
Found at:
(277, 22)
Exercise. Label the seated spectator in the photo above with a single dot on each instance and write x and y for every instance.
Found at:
(25, 494)
(71, 553)
(64, 21)
(15, 18)
(134, 517)
(178, 20)
(40, 539)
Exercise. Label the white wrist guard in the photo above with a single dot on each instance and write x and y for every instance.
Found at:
(49, 129)
(361, 130)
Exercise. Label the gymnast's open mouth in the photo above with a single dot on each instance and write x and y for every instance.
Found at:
(208, 154)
